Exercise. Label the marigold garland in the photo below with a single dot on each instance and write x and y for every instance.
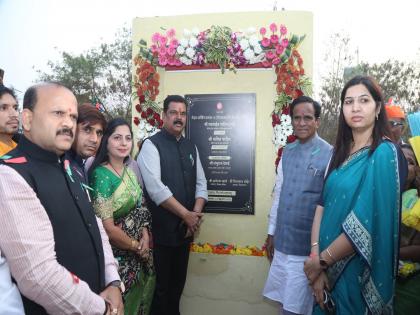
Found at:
(227, 249)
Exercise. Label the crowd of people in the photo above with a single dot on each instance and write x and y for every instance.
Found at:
(89, 230)
(78, 236)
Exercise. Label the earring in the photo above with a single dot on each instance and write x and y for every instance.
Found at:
(377, 116)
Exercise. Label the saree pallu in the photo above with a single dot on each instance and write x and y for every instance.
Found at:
(121, 199)
(362, 199)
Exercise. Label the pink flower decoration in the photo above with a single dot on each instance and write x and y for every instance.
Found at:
(162, 50)
(283, 30)
(163, 40)
(171, 61)
(163, 61)
(265, 42)
(174, 43)
(285, 42)
(276, 61)
(170, 33)
(273, 27)
(279, 49)
(154, 48)
(178, 63)
(274, 39)
(266, 63)
(270, 55)
(263, 31)
(171, 51)
(155, 37)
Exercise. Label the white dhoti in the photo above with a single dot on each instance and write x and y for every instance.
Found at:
(287, 284)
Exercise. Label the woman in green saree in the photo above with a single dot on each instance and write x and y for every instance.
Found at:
(118, 201)
(353, 262)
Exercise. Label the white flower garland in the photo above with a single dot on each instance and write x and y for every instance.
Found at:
(146, 130)
(282, 131)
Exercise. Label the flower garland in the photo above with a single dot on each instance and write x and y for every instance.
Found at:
(407, 269)
(146, 84)
(220, 46)
(227, 249)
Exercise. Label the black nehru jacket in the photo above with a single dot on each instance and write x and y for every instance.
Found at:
(179, 172)
(77, 238)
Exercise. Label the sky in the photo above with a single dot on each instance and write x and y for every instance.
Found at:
(33, 32)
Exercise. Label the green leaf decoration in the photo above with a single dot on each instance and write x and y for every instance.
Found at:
(294, 40)
(288, 52)
(218, 40)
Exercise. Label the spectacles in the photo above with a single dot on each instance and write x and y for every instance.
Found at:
(329, 303)
(395, 123)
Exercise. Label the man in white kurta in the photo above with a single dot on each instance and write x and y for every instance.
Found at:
(299, 182)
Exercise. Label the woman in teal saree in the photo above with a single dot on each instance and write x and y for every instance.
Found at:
(119, 202)
(355, 231)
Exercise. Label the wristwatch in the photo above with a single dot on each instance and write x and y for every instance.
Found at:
(323, 263)
(118, 284)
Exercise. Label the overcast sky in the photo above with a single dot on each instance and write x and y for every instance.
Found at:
(33, 32)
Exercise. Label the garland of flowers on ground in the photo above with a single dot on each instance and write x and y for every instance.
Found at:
(227, 249)
(220, 46)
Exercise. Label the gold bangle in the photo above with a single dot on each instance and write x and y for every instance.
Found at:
(134, 245)
(314, 244)
(329, 254)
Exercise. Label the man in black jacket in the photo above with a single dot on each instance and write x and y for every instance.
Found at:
(52, 241)
(176, 192)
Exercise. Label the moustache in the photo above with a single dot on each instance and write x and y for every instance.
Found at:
(178, 122)
(65, 131)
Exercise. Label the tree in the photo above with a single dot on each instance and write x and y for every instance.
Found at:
(398, 79)
(101, 74)
(338, 58)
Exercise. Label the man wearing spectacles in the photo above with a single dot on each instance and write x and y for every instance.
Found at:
(396, 119)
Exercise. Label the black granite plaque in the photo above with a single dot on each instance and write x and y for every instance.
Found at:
(223, 128)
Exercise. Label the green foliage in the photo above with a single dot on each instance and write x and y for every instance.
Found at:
(146, 53)
(101, 74)
(399, 80)
(218, 40)
(338, 57)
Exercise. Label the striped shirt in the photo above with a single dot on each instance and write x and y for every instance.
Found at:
(27, 243)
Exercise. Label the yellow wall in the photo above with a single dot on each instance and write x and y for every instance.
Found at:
(228, 284)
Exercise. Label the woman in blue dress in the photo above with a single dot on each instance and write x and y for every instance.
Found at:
(354, 251)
